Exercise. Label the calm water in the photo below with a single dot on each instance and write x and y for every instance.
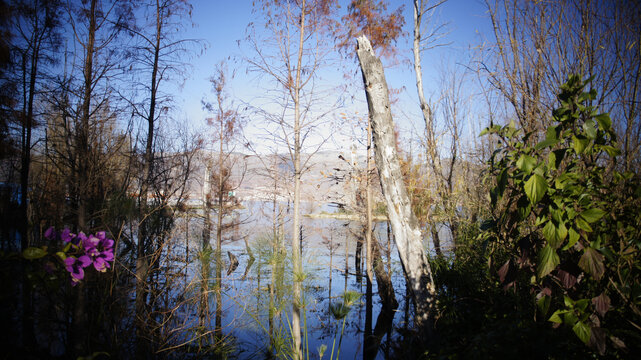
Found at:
(245, 303)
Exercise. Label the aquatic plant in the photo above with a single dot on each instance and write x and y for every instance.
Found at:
(339, 312)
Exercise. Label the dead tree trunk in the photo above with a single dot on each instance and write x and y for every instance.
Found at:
(407, 233)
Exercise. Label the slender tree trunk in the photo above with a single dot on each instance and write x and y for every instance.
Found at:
(425, 107)
(273, 265)
(221, 181)
(27, 113)
(218, 328)
(296, 261)
(346, 261)
(142, 259)
(83, 132)
(80, 321)
(407, 233)
(27, 127)
(432, 154)
(219, 227)
(206, 259)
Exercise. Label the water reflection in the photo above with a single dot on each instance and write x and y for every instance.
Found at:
(251, 308)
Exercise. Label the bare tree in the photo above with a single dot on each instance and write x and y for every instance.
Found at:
(427, 35)
(160, 54)
(37, 29)
(226, 124)
(37, 25)
(538, 44)
(291, 57)
(95, 27)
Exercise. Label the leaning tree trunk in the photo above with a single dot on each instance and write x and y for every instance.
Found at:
(407, 233)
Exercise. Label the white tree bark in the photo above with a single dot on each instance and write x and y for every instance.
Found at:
(407, 233)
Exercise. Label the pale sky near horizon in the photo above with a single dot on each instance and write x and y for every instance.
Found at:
(222, 25)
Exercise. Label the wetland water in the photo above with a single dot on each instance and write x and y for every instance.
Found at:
(331, 266)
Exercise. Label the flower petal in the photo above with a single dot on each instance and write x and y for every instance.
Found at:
(108, 255)
(84, 261)
(50, 234)
(77, 273)
(66, 235)
(108, 244)
(94, 241)
(99, 264)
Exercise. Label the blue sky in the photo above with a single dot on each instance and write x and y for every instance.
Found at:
(222, 24)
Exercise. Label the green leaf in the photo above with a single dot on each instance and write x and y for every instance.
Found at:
(61, 255)
(590, 129)
(574, 237)
(592, 215)
(535, 188)
(579, 145)
(548, 232)
(32, 253)
(552, 133)
(526, 164)
(544, 304)
(556, 318)
(582, 304)
(555, 234)
(582, 331)
(548, 260)
(604, 121)
(568, 301)
(570, 318)
(611, 150)
(546, 143)
(582, 224)
(491, 130)
(561, 233)
(540, 170)
(592, 263)
(552, 160)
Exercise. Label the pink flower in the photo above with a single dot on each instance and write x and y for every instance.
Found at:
(75, 267)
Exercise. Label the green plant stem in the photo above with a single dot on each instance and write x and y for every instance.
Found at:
(331, 356)
(338, 351)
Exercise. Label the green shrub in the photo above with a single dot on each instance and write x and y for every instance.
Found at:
(570, 223)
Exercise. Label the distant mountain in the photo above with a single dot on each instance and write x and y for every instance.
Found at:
(324, 178)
